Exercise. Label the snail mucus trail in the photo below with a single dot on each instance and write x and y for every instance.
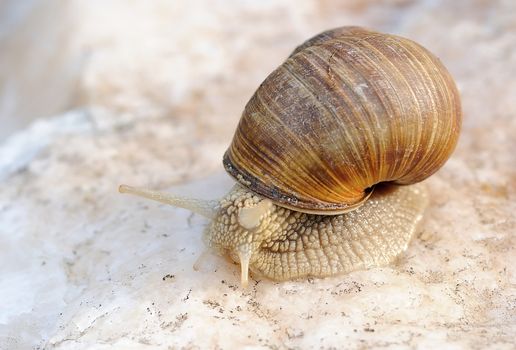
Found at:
(348, 111)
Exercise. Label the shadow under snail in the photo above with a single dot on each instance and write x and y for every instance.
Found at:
(327, 155)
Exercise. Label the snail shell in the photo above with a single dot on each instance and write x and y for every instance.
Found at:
(349, 108)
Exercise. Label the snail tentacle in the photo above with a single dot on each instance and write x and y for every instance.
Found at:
(244, 255)
(206, 208)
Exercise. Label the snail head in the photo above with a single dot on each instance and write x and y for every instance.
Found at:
(240, 221)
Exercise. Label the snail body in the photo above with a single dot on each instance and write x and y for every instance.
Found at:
(284, 244)
(323, 153)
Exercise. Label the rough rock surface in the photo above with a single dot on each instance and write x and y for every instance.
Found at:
(157, 92)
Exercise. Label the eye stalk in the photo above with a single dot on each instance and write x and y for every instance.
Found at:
(206, 208)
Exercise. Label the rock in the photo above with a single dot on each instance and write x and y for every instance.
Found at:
(85, 267)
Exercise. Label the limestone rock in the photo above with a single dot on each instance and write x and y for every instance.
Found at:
(157, 100)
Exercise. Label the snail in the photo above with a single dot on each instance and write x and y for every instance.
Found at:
(328, 157)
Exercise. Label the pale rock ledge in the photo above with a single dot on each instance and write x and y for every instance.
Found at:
(85, 267)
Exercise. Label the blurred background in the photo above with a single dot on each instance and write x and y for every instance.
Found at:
(203, 58)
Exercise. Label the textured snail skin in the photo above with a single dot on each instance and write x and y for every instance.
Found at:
(350, 108)
(289, 244)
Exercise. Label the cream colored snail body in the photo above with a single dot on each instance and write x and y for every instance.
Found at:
(323, 152)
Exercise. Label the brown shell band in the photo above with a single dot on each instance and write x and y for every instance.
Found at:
(287, 200)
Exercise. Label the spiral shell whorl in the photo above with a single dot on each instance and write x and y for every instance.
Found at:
(349, 108)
